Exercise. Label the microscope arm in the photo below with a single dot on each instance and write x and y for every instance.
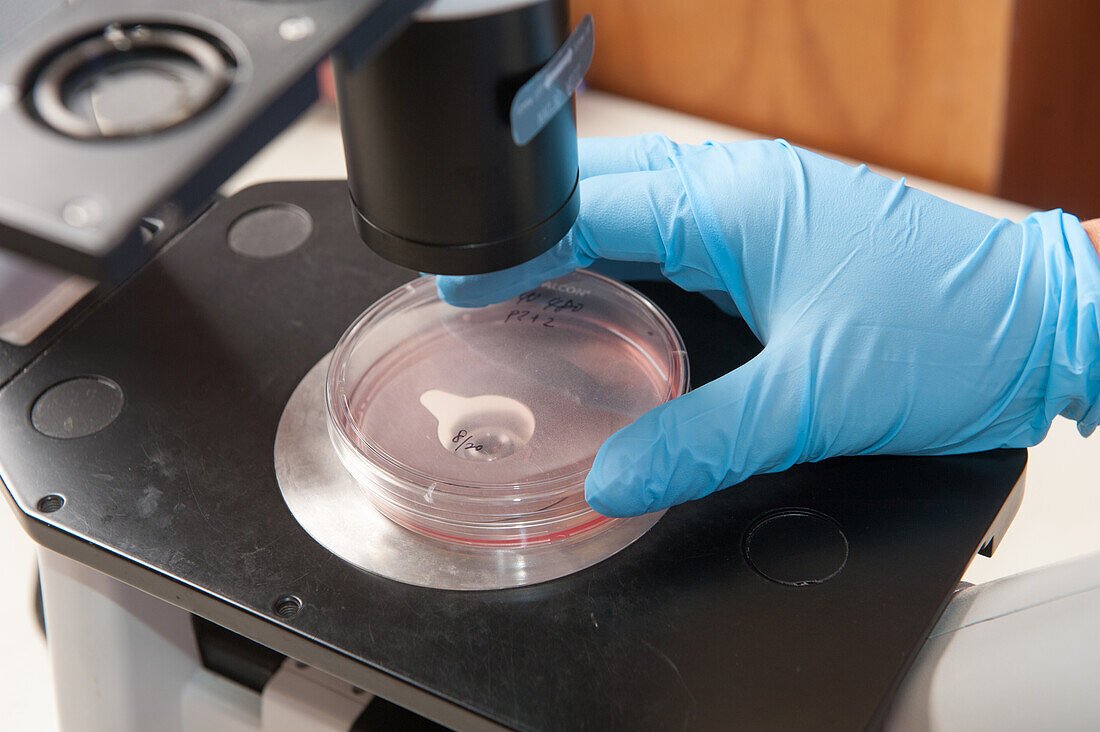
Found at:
(84, 165)
(119, 119)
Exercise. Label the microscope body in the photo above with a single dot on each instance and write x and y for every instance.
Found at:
(172, 493)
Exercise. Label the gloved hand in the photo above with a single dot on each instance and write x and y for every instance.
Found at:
(893, 322)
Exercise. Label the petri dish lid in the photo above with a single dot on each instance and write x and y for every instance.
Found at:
(479, 416)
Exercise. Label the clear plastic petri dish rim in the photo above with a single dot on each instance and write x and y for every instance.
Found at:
(477, 426)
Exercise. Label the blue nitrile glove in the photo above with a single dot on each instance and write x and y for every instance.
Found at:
(893, 322)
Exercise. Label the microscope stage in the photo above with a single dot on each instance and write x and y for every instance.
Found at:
(794, 600)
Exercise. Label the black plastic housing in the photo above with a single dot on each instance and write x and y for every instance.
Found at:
(437, 183)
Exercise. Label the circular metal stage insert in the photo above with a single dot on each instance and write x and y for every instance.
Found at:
(335, 511)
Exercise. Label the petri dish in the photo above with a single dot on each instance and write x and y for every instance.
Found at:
(477, 426)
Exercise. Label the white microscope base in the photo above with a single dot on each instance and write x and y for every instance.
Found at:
(1018, 653)
(124, 661)
(1021, 653)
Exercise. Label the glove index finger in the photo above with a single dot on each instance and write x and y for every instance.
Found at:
(492, 287)
(644, 217)
(610, 155)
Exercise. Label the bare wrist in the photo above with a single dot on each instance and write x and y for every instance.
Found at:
(1092, 228)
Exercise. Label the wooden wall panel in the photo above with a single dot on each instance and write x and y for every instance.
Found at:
(1052, 138)
(918, 85)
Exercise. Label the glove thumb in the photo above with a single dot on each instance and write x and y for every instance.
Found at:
(749, 421)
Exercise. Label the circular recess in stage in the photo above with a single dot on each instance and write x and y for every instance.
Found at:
(332, 507)
(77, 407)
(796, 547)
(270, 231)
(448, 447)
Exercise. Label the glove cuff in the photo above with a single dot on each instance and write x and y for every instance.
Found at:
(1073, 291)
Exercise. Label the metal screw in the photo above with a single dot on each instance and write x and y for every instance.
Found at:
(295, 29)
(82, 213)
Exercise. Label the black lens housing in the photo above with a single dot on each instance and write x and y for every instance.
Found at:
(436, 181)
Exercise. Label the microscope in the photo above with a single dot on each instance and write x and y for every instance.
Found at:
(143, 392)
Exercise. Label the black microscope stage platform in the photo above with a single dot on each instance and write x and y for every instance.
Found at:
(177, 496)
